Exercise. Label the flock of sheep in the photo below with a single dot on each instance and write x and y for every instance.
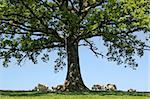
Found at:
(61, 88)
(110, 87)
(44, 88)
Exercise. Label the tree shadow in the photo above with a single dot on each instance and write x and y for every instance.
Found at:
(21, 93)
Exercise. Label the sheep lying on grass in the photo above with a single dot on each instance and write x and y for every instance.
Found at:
(99, 88)
(111, 87)
(61, 88)
(41, 88)
(58, 88)
(131, 90)
(108, 87)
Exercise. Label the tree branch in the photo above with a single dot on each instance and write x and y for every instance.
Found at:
(85, 11)
(49, 30)
(94, 5)
(93, 48)
(18, 15)
(20, 25)
(72, 5)
(36, 48)
(21, 33)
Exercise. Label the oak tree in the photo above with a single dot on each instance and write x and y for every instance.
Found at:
(31, 28)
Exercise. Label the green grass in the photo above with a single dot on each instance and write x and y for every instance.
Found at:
(73, 95)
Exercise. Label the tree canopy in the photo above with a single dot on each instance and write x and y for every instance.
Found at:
(27, 27)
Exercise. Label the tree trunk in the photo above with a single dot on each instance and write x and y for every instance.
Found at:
(74, 80)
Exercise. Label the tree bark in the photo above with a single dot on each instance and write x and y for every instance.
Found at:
(74, 80)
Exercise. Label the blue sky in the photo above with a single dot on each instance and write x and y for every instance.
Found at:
(94, 71)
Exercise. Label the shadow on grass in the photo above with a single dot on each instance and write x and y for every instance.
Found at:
(21, 93)
(104, 93)
(121, 93)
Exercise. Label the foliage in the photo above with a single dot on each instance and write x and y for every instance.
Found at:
(29, 28)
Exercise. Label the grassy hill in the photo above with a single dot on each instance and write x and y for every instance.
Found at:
(73, 95)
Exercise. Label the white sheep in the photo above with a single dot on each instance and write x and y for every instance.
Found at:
(41, 88)
(58, 88)
(131, 90)
(111, 87)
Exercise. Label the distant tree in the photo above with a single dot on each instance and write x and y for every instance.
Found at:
(29, 28)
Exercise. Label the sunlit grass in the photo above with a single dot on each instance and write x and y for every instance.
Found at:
(72, 95)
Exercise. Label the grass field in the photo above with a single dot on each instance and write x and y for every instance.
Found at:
(73, 95)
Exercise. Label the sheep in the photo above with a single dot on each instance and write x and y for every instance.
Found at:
(103, 87)
(111, 87)
(99, 87)
(41, 88)
(94, 88)
(62, 88)
(58, 88)
(131, 90)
